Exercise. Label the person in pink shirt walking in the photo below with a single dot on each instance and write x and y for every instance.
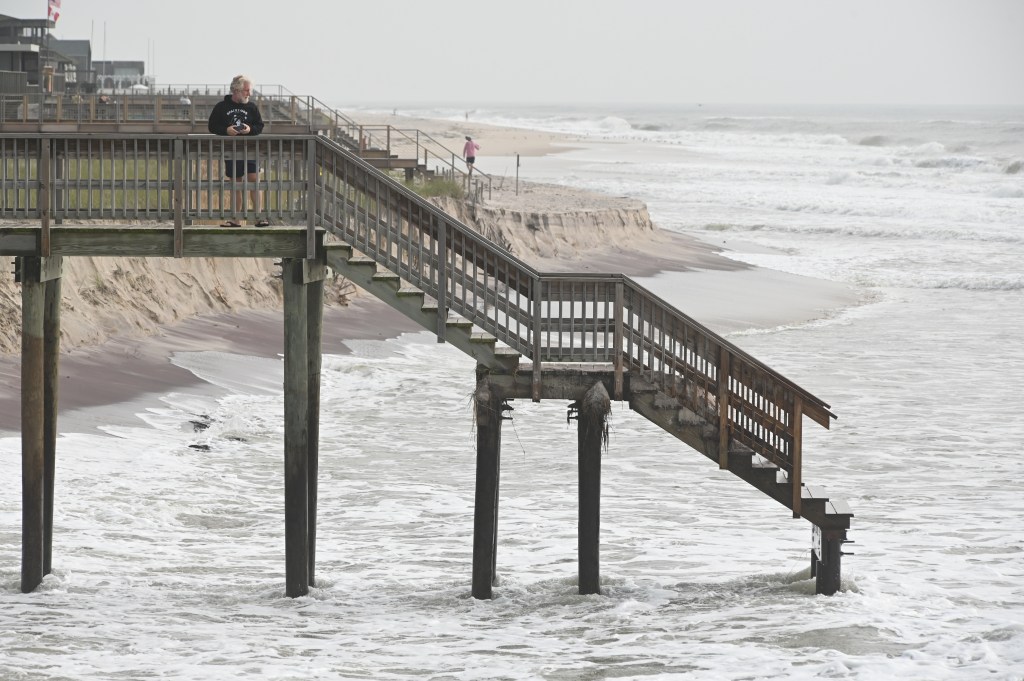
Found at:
(469, 150)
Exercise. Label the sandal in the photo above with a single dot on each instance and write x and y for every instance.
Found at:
(263, 222)
(231, 223)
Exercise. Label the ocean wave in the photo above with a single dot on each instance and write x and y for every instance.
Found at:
(987, 284)
(1008, 193)
(866, 232)
(950, 162)
(930, 148)
(1014, 167)
(875, 141)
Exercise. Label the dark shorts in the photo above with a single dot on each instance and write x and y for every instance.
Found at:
(471, 160)
(240, 168)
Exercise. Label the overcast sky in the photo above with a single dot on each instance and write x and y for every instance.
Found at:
(465, 52)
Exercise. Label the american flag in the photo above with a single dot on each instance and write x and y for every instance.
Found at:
(53, 10)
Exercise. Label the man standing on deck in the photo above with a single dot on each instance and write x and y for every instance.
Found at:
(235, 116)
(469, 150)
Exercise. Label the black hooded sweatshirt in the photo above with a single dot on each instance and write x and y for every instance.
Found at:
(228, 113)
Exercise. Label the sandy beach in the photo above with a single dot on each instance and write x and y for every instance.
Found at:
(127, 361)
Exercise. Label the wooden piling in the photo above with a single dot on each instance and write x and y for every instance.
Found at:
(485, 515)
(592, 433)
(51, 364)
(314, 331)
(296, 429)
(826, 560)
(33, 304)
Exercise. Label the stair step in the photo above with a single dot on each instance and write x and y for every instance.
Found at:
(482, 337)
(817, 495)
(764, 470)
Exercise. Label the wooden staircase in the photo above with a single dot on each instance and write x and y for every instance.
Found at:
(414, 304)
(533, 335)
(830, 516)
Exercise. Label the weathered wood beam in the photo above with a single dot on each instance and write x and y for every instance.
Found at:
(592, 433)
(561, 381)
(314, 356)
(826, 560)
(214, 242)
(33, 303)
(488, 407)
(296, 430)
(51, 363)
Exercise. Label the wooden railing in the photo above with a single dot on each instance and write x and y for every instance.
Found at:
(165, 111)
(313, 181)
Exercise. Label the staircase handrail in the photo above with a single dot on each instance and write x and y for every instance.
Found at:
(547, 317)
(625, 323)
(424, 141)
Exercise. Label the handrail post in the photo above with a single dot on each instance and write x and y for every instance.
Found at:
(177, 172)
(723, 407)
(442, 277)
(311, 198)
(796, 475)
(538, 289)
(43, 197)
(617, 339)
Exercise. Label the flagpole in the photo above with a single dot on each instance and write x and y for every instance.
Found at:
(46, 48)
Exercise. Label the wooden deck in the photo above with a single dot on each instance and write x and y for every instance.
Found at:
(581, 338)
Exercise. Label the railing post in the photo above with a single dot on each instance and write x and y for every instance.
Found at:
(177, 172)
(796, 475)
(43, 198)
(617, 339)
(312, 196)
(724, 370)
(537, 298)
(442, 277)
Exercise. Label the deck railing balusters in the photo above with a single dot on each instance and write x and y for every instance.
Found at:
(556, 318)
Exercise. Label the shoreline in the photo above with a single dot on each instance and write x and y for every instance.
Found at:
(107, 383)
